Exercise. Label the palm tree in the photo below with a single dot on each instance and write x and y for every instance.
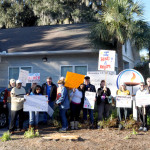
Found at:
(116, 24)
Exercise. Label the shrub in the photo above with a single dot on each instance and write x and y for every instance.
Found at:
(6, 137)
(30, 133)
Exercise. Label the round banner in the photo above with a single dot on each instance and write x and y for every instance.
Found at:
(130, 77)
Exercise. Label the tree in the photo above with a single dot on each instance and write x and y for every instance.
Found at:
(116, 24)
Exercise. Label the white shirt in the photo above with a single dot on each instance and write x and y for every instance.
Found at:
(76, 96)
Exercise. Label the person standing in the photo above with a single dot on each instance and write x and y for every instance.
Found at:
(91, 88)
(148, 85)
(64, 105)
(17, 100)
(122, 111)
(50, 89)
(75, 105)
(142, 114)
(7, 98)
(34, 115)
(103, 105)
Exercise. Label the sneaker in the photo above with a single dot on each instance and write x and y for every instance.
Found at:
(144, 129)
(120, 126)
(141, 129)
(62, 130)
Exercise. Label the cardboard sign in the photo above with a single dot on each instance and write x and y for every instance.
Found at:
(73, 80)
(96, 77)
(124, 101)
(89, 101)
(142, 100)
(34, 78)
(36, 103)
(23, 76)
(106, 60)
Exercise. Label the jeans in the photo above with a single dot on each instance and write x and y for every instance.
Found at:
(46, 117)
(90, 111)
(122, 112)
(103, 111)
(33, 118)
(14, 115)
(63, 117)
(75, 112)
(142, 117)
(9, 113)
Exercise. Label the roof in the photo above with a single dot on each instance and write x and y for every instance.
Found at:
(45, 38)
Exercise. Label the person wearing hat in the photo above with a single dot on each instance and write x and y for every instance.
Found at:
(50, 89)
(122, 111)
(64, 105)
(17, 100)
(7, 98)
(91, 88)
(142, 114)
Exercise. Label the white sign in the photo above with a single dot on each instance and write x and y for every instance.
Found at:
(50, 111)
(89, 100)
(106, 60)
(34, 78)
(142, 100)
(23, 76)
(124, 101)
(36, 103)
(95, 79)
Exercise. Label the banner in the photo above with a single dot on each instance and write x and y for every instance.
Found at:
(142, 100)
(89, 101)
(106, 60)
(36, 103)
(34, 78)
(23, 76)
(97, 76)
(73, 80)
(124, 101)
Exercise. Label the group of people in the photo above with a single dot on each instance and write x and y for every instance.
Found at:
(66, 99)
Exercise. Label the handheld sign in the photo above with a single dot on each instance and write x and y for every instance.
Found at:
(142, 100)
(23, 76)
(106, 60)
(34, 78)
(89, 101)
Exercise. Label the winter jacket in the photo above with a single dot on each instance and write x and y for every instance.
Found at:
(17, 98)
(102, 96)
(63, 100)
(92, 88)
(76, 96)
(53, 93)
(7, 98)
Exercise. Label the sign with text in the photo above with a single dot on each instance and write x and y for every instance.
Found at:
(106, 60)
(124, 101)
(73, 80)
(23, 76)
(34, 78)
(89, 101)
(97, 76)
(36, 103)
(142, 100)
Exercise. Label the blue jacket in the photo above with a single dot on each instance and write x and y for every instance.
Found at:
(64, 99)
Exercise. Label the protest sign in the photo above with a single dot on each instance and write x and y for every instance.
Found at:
(124, 101)
(50, 111)
(36, 103)
(89, 101)
(106, 60)
(97, 76)
(73, 80)
(34, 78)
(142, 100)
(23, 76)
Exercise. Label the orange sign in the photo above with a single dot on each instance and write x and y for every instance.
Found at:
(73, 80)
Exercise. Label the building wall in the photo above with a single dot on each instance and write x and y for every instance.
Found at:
(50, 68)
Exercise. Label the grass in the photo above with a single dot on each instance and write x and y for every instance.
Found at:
(6, 136)
(30, 133)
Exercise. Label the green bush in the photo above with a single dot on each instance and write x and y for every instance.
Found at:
(30, 133)
(5, 137)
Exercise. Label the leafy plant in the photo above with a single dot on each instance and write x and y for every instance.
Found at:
(30, 133)
(5, 137)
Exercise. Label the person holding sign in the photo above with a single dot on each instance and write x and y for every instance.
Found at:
(76, 96)
(122, 111)
(34, 115)
(17, 100)
(141, 109)
(103, 104)
(64, 105)
(91, 88)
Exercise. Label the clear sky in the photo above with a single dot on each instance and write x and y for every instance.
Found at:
(146, 4)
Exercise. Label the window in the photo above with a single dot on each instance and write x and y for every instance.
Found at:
(75, 68)
(14, 74)
(126, 65)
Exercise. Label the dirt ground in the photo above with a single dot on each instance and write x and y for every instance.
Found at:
(111, 139)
